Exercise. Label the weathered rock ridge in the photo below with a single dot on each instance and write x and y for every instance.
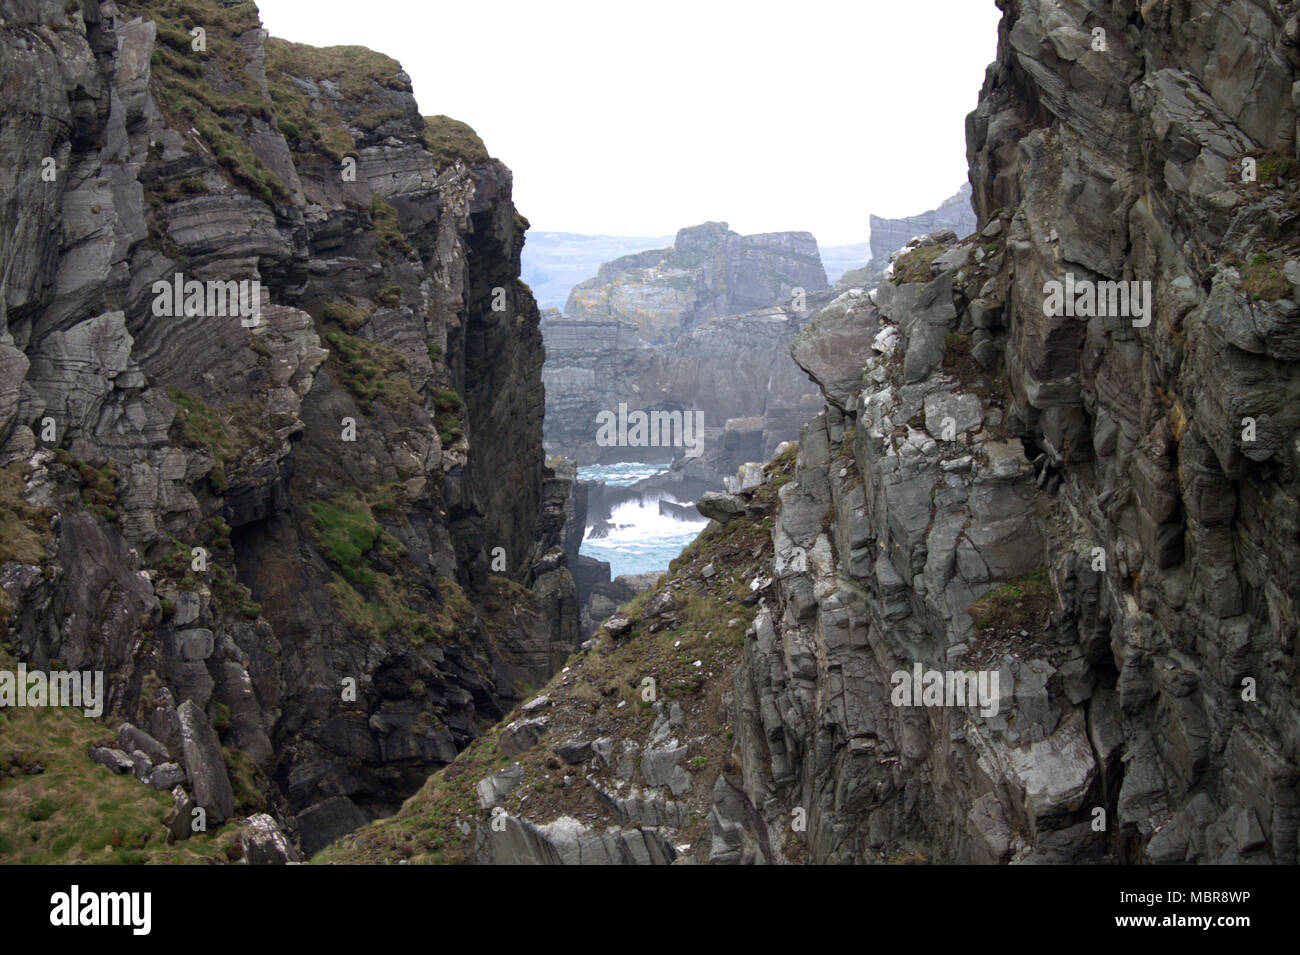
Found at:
(1075, 502)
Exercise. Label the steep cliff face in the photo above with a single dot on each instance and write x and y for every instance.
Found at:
(703, 326)
(709, 272)
(1077, 503)
(1093, 514)
(348, 459)
(735, 367)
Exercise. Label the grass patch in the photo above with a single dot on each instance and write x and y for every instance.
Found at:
(449, 415)
(345, 531)
(1018, 605)
(75, 810)
(346, 314)
(23, 528)
(225, 432)
(449, 139)
(210, 91)
(389, 238)
(98, 485)
(372, 371)
(914, 266)
(392, 611)
(307, 124)
(356, 69)
(1263, 279)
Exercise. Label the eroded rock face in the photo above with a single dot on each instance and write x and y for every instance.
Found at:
(703, 326)
(709, 272)
(195, 468)
(1073, 503)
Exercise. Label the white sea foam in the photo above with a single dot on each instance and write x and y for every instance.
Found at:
(640, 539)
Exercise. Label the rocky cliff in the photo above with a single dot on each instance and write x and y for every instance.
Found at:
(704, 326)
(312, 543)
(734, 367)
(1090, 511)
(1077, 503)
(709, 272)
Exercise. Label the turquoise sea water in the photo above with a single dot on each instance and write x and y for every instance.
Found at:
(642, 540)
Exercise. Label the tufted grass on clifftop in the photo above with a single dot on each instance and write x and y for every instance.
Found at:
(449, 139)
(354, 68)
(210, 91)
(914, 265)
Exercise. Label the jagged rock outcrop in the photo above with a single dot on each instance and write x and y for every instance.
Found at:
(1077, 504)
(313, 520)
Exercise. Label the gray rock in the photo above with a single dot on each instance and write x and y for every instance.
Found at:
(493, 789)
(574, 751)
(661, 603)
(263, 842)
(190, 645)
(618, 625)
(326, 822)
(720, 507)
(141, 765)
(180, 823)
(522, 735)
(659, 767)
(566, 841)
(114, 759)
(166, 776)
(205, 765)
(602, 750)
(131, 738)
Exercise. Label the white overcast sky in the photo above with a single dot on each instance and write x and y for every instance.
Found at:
(639, 118)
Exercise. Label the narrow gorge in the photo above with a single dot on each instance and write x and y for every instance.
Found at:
(326, 544)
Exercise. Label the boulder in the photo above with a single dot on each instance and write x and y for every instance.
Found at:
(522, 735)
(114, 759)
(166, 776)
(263, 842)
(326, 822)
(131, 738)
(205, 764)
(720, 507)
